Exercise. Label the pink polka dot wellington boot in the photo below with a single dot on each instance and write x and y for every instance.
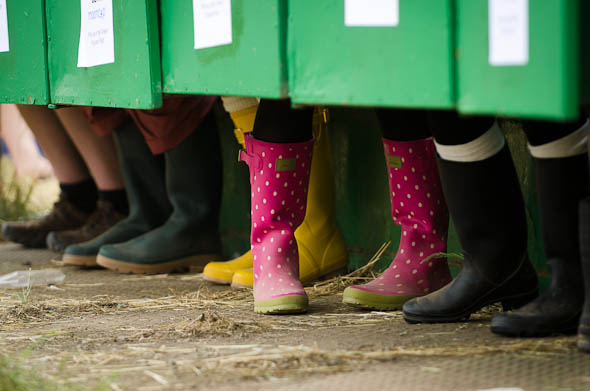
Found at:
(419, 207)
(279, 176)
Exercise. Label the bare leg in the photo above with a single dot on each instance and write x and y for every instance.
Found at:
(67, 163)
(27, 160)
(97, 151)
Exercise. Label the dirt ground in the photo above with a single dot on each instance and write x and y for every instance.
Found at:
(178, 332)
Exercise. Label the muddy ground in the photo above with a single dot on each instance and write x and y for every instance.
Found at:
(178, 332)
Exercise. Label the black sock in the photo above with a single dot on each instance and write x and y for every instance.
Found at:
(118, 198)
(82, 194)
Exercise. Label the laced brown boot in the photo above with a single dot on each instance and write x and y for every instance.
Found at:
(103, 218)
(63, 216)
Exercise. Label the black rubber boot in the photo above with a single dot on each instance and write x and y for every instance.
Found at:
(145, 184)
(561, 184)
(487, 208)
(190, 236)
(584, 328)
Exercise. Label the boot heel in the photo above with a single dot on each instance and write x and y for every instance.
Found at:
(519, 301)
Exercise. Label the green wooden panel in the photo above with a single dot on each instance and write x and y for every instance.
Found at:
(548, 86)
(132, 81)
(410, 65)
(253, 64)
(23, 69)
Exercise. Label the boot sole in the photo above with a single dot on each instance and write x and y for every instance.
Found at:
(373, 301)
(521, 327)
(508, 331)
(294, 304)
(79, 260)
(508, 303)
(180, 265)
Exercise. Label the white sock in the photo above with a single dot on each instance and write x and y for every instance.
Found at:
(571, 145)
(483, 147)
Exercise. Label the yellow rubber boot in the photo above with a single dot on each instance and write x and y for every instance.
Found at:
(322, 250)
(222, 272)
(244, 122)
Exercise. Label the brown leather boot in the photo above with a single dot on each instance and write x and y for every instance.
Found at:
(63, 216)
(103, 218)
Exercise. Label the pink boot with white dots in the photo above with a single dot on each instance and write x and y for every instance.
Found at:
(419, 207)
(279, 176)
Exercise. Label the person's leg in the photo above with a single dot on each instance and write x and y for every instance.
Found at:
(404, 124)
(277, 122)
(78, 191)
(100, 157)
(67, 163)
(483, 195)
(418, 206)
(562, 179)
(193, 183)
(322, 249)
(242, 111)
(278, 154)
(20, 141)
(145, 185)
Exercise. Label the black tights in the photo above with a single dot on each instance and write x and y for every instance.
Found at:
(277, 122)
(448, 128)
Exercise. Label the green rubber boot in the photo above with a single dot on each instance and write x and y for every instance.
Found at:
(149, 207)
(190, 236)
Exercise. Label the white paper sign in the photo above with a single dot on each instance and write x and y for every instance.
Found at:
(212, 19)
(508, 27)
(375, 13)
(97, 42)
(4, 46)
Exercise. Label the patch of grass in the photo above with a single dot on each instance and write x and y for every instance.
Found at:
(26, 292)
(16, 375)
(14, 200)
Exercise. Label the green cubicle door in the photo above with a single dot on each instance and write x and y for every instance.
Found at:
(104, 53)
(372, 52)
(519, 58)
(224, 47)
(23, 52)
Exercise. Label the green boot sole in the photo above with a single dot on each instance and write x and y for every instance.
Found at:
(293, 304)
(374, 301)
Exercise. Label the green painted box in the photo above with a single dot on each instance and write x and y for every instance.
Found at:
(253, 64)
(409, 64)
(519, 58)
(23, 68)
(133, 80)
